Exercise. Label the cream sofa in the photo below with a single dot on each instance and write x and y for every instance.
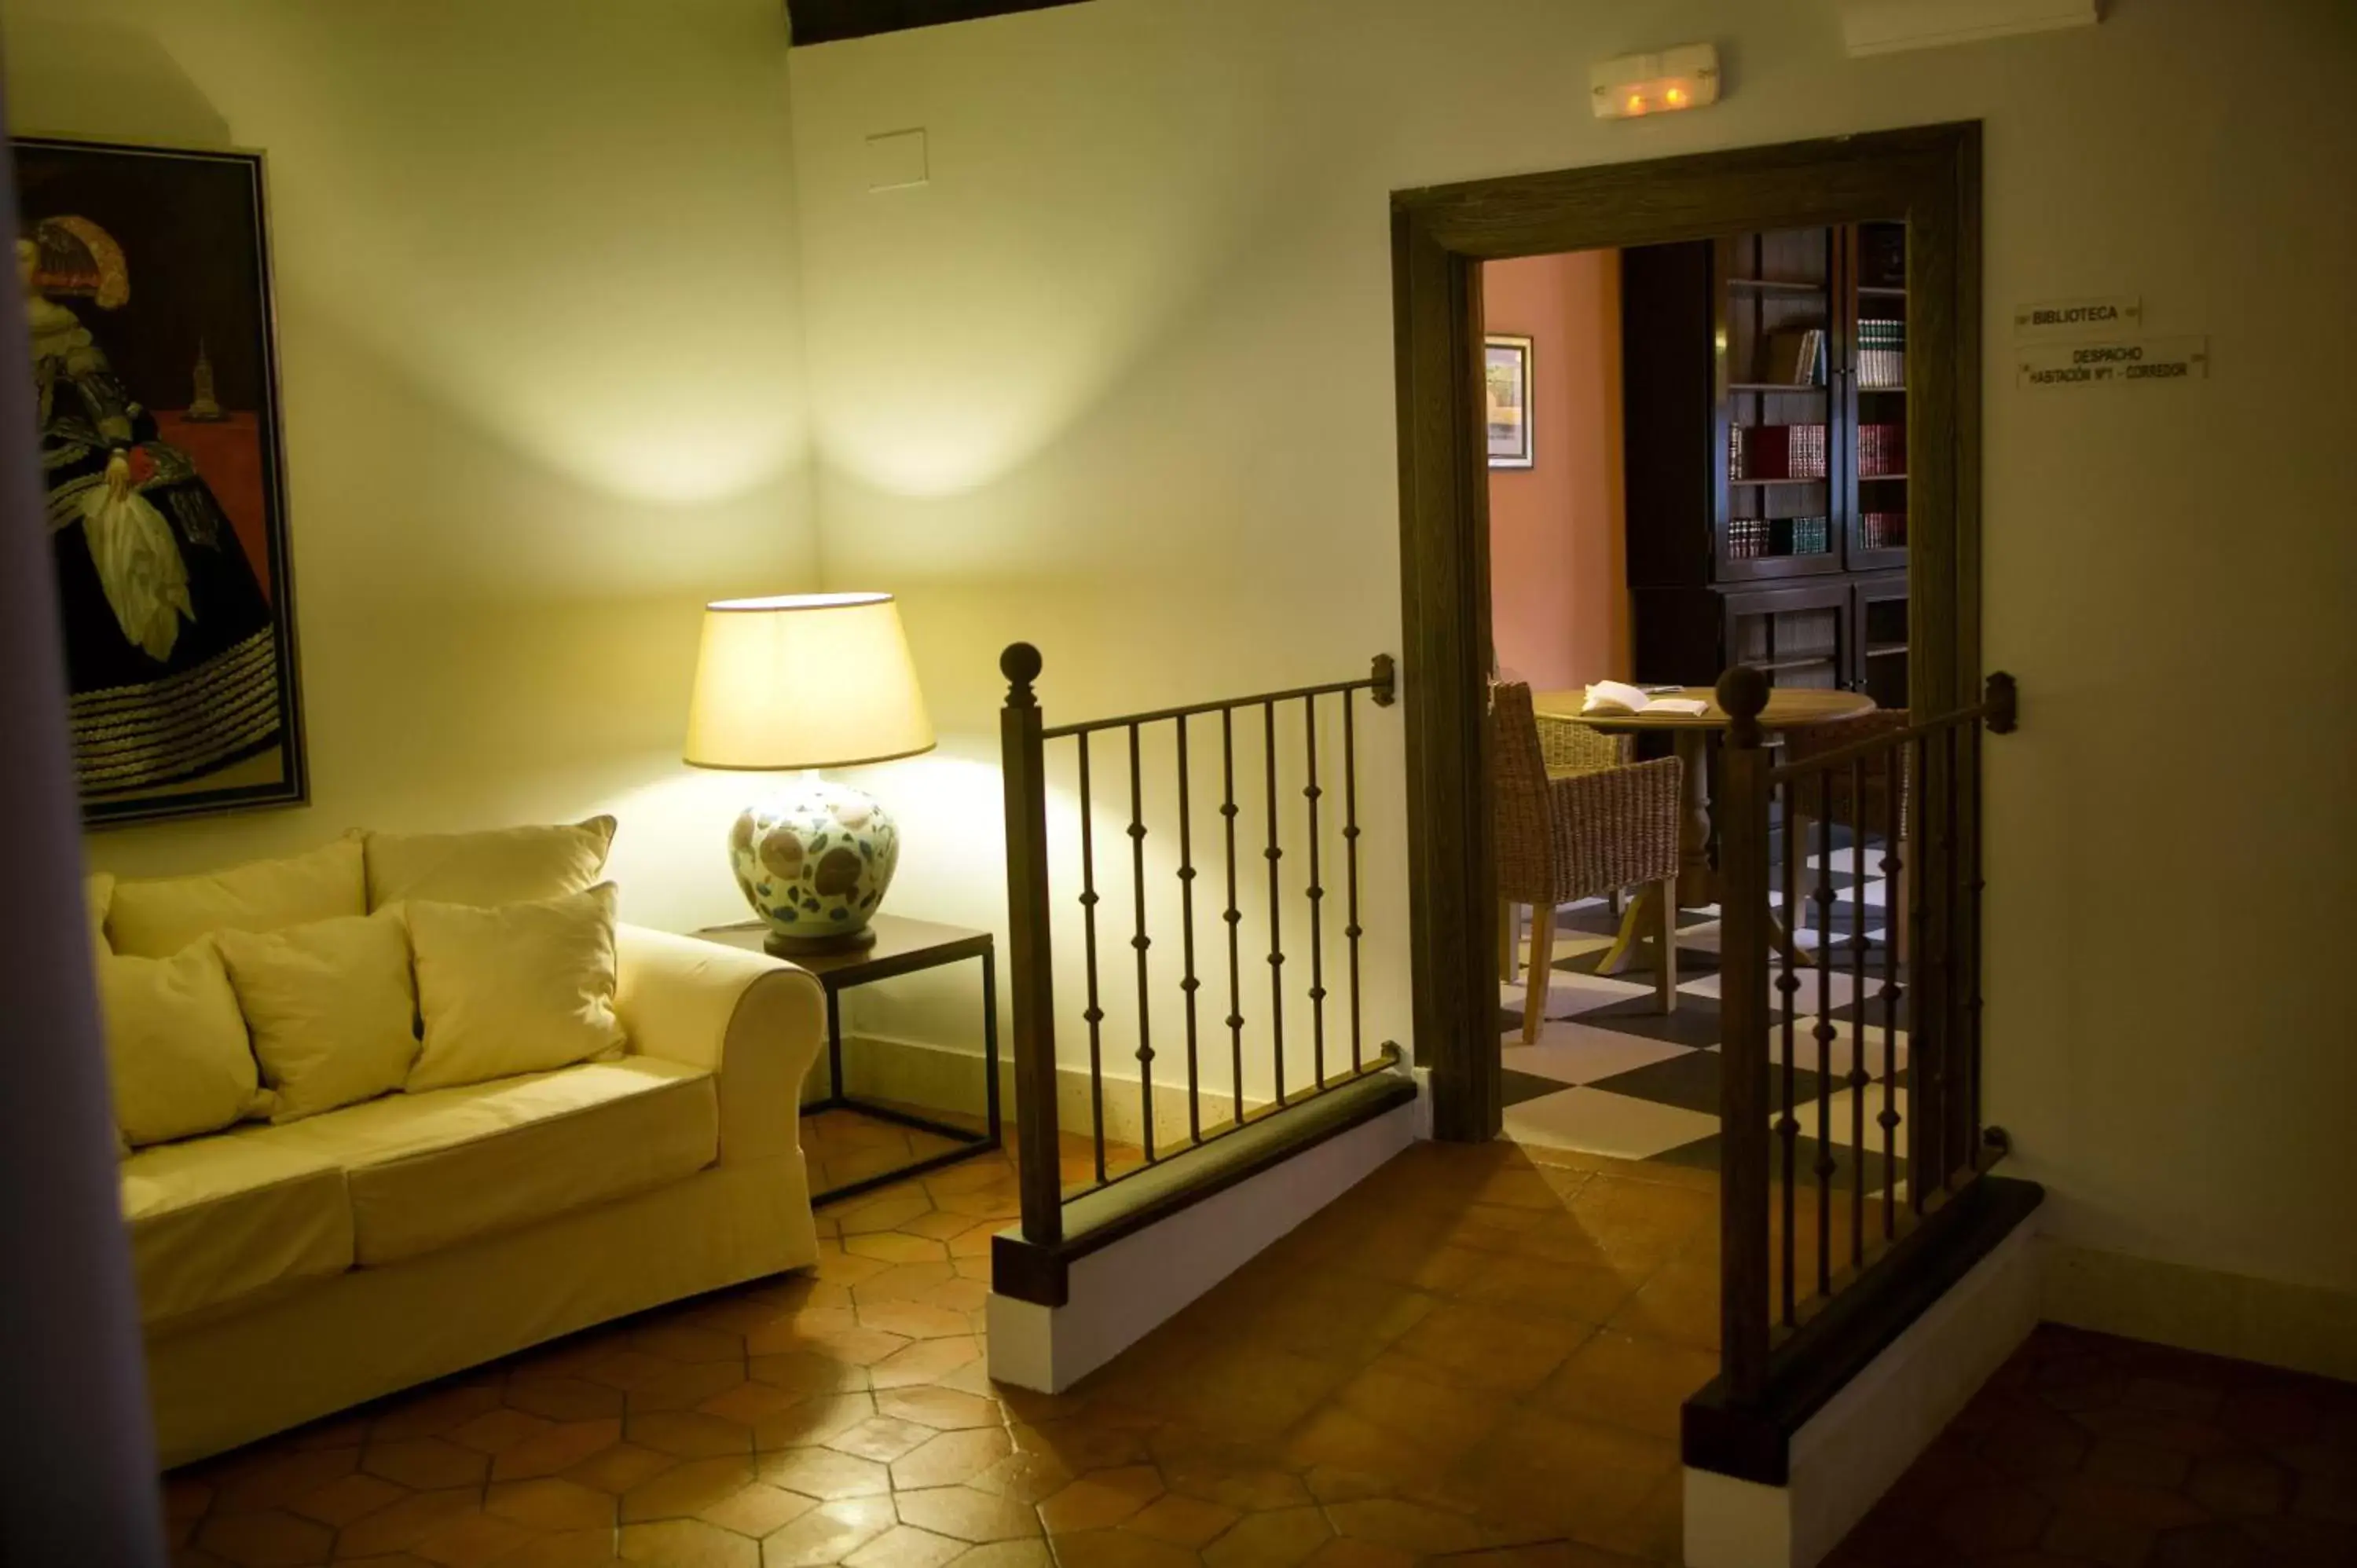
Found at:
(287, 1272)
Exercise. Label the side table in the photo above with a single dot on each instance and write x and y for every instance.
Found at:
(902, 946)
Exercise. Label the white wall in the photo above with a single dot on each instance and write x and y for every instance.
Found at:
(542, 385)
(1120, 380)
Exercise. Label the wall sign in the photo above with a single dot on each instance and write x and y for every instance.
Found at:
(2078, 318)
(2119, 363)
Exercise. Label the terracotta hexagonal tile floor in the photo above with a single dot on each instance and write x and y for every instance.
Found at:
(1475, 1357)
(2088, 1449)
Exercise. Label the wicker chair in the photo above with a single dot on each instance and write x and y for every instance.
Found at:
(1570, 747)
(1566, 835)
(1869, 814)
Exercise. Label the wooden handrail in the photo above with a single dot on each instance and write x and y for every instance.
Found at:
(1381, 683)
(1996, 711)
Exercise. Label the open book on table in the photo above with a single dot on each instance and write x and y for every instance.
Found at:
(1615, 697)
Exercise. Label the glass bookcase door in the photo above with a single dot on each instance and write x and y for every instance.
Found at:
(1777, 343)
(1877, 393)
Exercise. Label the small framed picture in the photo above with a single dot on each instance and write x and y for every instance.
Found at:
(1506, 371)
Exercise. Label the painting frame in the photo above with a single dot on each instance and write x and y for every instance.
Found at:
(275, 772)
(1506, 362)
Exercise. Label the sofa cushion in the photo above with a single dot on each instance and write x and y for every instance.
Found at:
(428, 1171)
(504, 865)
(214, 1220)
(176, 1054)
(522, 988)
(330, 1008)
(157, 918)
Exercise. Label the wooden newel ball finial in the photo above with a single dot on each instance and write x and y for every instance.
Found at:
(1742, 695)
(1021, 665)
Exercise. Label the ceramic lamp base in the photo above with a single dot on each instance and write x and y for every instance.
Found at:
(814, 861)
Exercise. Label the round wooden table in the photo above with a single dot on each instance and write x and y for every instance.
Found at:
(1789, 708)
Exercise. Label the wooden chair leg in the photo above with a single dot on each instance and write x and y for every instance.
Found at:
(1535, 997)
(1509, 941)
(1667, 971)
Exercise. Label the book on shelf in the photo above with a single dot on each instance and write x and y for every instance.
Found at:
(1778, 452)
(1794, 357)
(1881, 354)
(1881, 451)
(1808, 535)
(1619, 699)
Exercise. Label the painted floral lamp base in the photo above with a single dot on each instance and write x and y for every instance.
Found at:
(813, 861)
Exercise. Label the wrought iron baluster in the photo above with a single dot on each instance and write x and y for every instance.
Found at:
(1951, 1068)
(1276, 907)
(1316, 895)
(1094, 1015)
(1859, 1077)
(1189, 985)
(1788, 987)
(1351, 932)
(1235, 916)
(1824, 1031)
(1974, 885)
(1140, 944)
(1923, 1046)
(1895, 903)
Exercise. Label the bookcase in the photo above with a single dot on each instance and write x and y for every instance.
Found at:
(1764, 383)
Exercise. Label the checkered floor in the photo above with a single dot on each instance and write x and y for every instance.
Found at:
(1611, 1074)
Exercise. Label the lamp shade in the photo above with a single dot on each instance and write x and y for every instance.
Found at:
(805, 681)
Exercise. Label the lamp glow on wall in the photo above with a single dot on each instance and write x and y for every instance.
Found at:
(809, 680)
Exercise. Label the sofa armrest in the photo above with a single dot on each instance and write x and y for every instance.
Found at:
(757, 1022)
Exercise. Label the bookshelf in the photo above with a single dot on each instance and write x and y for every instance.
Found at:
(1765, 420)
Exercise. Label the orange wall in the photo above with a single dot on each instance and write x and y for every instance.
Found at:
(1558, 585)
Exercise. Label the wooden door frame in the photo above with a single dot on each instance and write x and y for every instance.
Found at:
(1929, 176)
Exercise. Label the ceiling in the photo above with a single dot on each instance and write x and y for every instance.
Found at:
(831, 21)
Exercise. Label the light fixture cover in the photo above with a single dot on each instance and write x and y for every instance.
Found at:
(1683, 77)
(805, 681)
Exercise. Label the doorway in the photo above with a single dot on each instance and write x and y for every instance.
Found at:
(1924, 181)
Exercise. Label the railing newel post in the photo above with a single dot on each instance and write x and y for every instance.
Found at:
(1744, 782)
(1030, 950)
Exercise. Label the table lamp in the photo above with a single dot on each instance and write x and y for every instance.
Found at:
(808, 681)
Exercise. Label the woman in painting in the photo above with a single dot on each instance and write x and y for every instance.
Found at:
(170, 648)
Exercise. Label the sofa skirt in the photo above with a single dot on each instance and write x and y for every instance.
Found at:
(330, 1345)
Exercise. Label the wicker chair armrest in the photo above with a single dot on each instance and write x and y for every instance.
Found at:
(1616, 827)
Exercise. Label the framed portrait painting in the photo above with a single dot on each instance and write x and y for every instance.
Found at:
(1506, 371)
(146, 278)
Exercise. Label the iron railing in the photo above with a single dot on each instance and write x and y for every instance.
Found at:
(1024, 740)
(1812, 1200)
